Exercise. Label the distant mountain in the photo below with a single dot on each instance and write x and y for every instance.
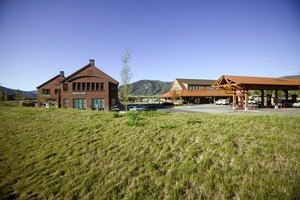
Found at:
(13, 92)
(294, 77)
(149, 87)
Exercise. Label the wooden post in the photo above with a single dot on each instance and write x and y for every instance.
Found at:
(233, 100)
(276, 99)
(246, 99)
(286, 94)
(262, 93)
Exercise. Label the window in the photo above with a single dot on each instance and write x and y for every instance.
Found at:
(98, 104)
(79, 86)
(208, 88)
(93, 87)
(113, 101)
(88, 86)
(66, 103)
(65, 87)
(57, 91)
(79, 104)
(74, 87)
(46, 91)
(97, 86)
(194, 87)
(113, 87)
(83, 86)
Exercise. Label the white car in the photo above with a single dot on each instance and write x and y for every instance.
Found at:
(296, 104)
(222, 102)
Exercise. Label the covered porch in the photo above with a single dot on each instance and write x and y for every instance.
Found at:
(195, 96)
(239, 86)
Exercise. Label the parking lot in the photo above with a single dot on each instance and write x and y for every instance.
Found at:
(226, 109)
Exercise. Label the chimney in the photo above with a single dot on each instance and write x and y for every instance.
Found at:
(92, 62)
(62, 73)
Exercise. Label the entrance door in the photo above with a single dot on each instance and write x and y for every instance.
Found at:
(79, 104)
(98, 104)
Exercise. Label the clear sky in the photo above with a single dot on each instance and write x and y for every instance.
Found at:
(169, 39)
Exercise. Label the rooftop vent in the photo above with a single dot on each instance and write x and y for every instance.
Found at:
(62, 73)
(92, 62)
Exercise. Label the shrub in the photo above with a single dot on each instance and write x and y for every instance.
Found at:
(133, 118)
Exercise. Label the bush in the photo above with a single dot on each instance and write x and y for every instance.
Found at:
(133, 118)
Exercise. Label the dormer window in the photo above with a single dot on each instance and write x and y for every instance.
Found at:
(194, 87)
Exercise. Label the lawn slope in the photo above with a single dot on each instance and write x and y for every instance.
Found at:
(70, 154)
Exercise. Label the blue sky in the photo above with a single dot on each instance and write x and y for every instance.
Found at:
(201, 39)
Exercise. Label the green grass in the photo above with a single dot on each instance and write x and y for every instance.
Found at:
(71, 154)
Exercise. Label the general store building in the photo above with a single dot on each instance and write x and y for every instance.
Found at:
(196, 91)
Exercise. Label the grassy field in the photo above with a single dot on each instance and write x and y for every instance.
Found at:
(71, 154)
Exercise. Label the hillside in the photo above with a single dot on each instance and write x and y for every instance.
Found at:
(72, 154)
(13, 92)
(293, 77)
(149, 87)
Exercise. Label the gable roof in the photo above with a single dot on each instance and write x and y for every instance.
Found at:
(84, 68)
(55, 77)
(183, 81)
(249, 82)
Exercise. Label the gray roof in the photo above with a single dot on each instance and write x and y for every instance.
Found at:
(202, 82)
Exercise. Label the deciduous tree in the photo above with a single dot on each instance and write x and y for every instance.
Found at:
(126, 76)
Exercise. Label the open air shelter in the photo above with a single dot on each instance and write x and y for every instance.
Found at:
(236, 85)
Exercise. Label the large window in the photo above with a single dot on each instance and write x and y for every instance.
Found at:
(46, 91)
(98, 104)
(79, 104)
(87, 86)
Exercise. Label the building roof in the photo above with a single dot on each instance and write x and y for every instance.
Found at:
(202, 82)
(55, 77)
(85, 67)
(248, 82)
(204, 93)
(195, 93)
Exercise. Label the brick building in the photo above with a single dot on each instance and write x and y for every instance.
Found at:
(88, 88)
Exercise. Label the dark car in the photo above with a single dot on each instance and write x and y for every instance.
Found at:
(168, 104)
(149, 108)
(288, 103)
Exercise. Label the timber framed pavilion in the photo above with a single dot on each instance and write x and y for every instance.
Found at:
(240, 86)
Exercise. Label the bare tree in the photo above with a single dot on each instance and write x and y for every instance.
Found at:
(126, 76)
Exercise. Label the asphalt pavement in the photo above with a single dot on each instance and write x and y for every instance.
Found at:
(226, 109)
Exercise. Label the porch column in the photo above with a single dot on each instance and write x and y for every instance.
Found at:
(233, 100)
(286, 92)
(246, 99)
(276, 99)
(262, 96)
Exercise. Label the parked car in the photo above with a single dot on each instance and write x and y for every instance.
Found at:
(149, 108)
(296, 104)
(142, 108)
(222, 102)
(288, 103)
(168, 104)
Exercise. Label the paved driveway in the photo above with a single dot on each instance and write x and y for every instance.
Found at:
(226, 109)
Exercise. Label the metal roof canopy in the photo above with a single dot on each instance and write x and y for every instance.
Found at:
(228, 82)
